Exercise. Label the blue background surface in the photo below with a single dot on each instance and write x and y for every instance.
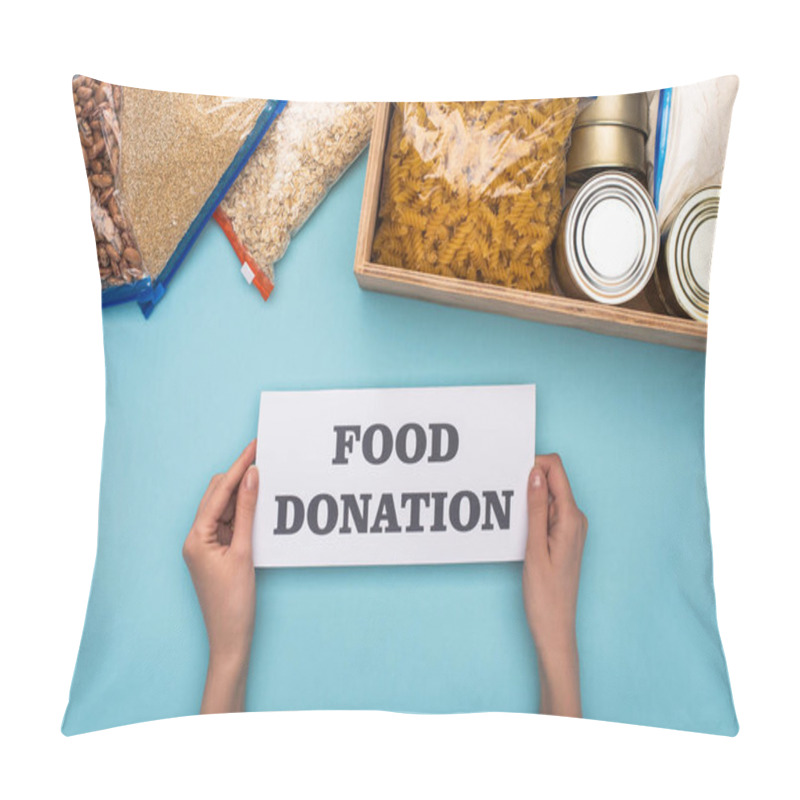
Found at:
(182, 400)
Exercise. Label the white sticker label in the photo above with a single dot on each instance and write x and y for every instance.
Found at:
(248, 273)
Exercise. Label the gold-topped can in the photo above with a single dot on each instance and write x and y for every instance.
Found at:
(607, 242)
(630, 110)
(601, 147)
(680, 285)
(610, 133)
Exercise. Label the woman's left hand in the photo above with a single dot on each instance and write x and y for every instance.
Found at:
(219, 553)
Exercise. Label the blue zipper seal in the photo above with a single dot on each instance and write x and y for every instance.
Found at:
(662, 135)
(141, 290)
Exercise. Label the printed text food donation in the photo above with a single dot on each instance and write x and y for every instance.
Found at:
(408, 512)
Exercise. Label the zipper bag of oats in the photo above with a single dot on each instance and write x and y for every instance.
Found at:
(310, 146)
(157, 165)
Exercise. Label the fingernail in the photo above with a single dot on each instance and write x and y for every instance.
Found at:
(536, 479)
(251, 477)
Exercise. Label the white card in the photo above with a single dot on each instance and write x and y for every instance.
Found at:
(393, 476)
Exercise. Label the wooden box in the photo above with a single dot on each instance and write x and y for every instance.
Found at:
(552, 309)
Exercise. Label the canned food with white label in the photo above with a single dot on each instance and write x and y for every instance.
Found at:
(607, 243)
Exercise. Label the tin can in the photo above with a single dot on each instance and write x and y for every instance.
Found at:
(600, 147)
(607, 242)
(616, 109)
(680, 284)
(610, 133)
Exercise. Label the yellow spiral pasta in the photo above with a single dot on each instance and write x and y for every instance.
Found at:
(474, 190)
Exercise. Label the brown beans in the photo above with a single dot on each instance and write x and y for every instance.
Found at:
(98, 146)
(131, 255)
(97, 107)
(101, 181)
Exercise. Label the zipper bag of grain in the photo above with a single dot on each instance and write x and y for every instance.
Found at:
(158, 164)
(306, 151)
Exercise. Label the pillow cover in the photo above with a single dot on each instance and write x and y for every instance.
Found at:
(584, 226)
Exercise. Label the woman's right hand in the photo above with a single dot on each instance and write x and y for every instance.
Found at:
(551, 574)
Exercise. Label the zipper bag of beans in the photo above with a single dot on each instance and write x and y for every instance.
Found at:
(298, 161)
(158, 164)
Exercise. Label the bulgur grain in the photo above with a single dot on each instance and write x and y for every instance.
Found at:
(175, 149)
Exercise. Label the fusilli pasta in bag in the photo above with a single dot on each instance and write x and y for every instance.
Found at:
(475, 190)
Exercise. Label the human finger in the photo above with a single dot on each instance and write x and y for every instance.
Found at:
(245, 512)
(221, 496)
(212, 484)
(538, 502)
(557, 479)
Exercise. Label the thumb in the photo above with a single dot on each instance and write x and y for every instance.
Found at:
(538, 498)
(245, 511)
